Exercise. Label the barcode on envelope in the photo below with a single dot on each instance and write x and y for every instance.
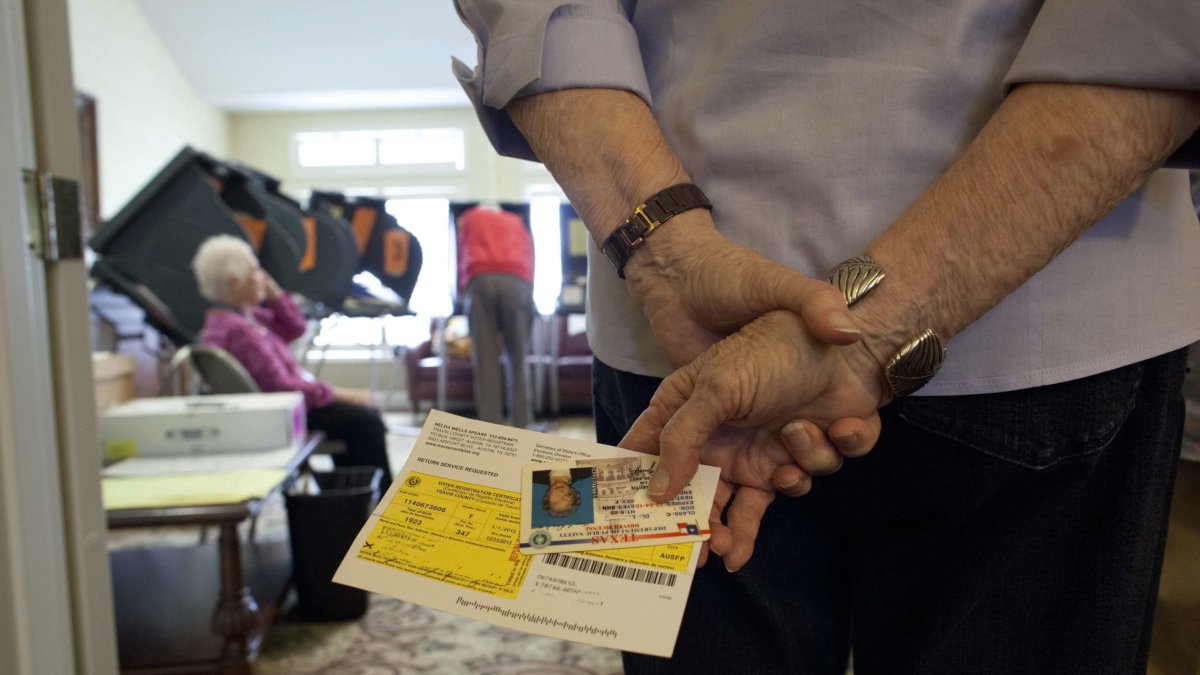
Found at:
(610, 569)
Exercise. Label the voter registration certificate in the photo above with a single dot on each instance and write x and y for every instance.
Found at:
(447, 535)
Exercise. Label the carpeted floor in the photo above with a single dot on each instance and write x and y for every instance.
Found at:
(399, 637)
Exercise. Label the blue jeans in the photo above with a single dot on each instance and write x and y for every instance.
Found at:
(1020, 532)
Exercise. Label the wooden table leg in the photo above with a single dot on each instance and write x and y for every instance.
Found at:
(236, 617)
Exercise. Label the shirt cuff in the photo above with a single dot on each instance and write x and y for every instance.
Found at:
(1132, 43)
(1147, 44)
(574, 47)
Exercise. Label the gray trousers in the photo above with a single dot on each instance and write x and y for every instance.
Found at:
(500, 309)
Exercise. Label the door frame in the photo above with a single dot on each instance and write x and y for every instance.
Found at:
(55, 588)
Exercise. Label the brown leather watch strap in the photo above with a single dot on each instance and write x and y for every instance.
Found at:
(657, 210)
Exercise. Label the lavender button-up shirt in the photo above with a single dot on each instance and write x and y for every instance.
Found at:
(813, 124)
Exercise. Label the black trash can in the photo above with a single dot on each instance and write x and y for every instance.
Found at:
(323, 526)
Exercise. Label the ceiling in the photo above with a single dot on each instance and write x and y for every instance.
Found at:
(252, 55)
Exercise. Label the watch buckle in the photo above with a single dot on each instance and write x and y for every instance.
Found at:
(642, 224)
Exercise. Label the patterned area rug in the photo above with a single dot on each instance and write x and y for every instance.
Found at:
(401, 638)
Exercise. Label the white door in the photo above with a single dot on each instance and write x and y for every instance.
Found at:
(55, 589)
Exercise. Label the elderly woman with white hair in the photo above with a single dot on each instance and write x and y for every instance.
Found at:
(253, 319)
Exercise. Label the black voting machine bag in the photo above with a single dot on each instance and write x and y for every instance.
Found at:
(574, 238)
(145, 251)
(385, 249)
(309, 254)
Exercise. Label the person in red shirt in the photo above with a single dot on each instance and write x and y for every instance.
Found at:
(495, 270)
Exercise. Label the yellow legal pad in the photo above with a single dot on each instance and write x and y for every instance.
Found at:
(189, 489)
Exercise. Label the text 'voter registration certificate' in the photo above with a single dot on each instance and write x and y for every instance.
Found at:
(447, 536)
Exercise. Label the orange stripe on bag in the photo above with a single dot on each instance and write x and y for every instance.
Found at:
(309, 260)
(395, 253)
(361, 225)
(256, 228)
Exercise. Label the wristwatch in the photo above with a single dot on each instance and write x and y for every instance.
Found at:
(658, 209)
(919, 359)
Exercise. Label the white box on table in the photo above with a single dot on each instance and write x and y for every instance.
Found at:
(182, 425)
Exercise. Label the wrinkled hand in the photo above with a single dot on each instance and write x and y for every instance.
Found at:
(696, 287)
(729, 406)
(270, 286)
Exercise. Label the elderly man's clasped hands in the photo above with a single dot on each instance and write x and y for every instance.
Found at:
(773, 383)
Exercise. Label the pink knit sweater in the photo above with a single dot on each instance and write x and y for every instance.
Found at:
(260, 344)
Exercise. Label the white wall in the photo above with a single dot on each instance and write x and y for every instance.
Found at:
(263, 140)
(145, 109)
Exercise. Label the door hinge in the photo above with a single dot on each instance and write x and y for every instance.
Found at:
(55, 224)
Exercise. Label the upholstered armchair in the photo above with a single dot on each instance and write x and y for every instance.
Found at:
(561, 370)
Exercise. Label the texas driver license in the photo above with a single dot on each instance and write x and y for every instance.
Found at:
(594, 504)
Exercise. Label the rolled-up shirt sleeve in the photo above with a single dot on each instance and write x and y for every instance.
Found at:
(532, 46)
(1150, 44)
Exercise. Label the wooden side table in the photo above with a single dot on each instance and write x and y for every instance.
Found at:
(163, 595)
